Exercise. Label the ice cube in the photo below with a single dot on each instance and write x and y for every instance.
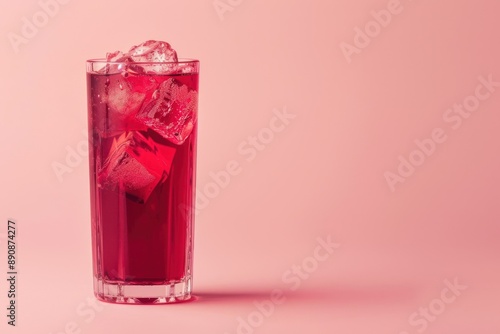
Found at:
(135, 165)
(153, 51)
(145, 84)
(148, 52)
(156, 52)
(123, 97)
(116, 56)
(186, 68)
(116, 63)
(172, 112)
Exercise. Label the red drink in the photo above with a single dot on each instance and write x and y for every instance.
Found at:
(142, 162)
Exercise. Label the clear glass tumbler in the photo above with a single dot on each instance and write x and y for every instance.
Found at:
(142, 141)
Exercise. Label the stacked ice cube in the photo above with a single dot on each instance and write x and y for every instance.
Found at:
(137, 101)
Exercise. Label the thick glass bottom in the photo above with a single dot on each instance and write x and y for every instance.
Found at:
(121, 293)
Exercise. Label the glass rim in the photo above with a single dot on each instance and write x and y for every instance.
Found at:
(179, 61)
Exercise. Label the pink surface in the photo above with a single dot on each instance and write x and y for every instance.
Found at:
(336, 112)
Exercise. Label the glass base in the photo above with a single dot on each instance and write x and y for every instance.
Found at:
(120, 293)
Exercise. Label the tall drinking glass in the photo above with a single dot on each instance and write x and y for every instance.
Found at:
(142, 135)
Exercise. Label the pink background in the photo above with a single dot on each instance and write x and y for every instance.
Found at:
(322, 175)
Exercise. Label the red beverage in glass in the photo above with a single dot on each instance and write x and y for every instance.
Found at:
(142, 125)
